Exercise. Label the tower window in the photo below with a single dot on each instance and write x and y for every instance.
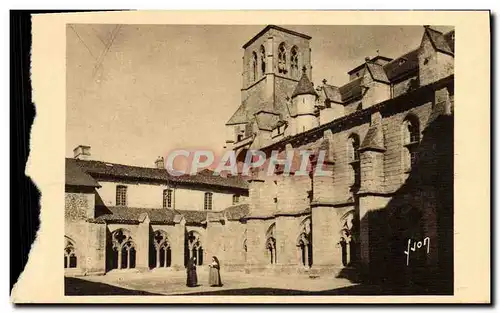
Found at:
(282, 67)
(411, 138)
(294, 62)
(121, 195)
(263, 60)
(208, 201)
(254, 66)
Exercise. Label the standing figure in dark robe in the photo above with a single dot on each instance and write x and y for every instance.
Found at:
(214, 273)
(192, 278)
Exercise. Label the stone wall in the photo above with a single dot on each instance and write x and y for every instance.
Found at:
(151, 196)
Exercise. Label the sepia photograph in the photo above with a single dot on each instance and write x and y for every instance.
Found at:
(259, 160)
(260, 157)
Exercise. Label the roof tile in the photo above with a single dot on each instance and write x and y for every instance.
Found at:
(236, 212)
(100, 168)
(75, 176)
(304, 87)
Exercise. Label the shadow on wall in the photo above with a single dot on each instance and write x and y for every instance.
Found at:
(422, 207)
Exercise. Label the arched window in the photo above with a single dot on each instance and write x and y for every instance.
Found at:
(411, 138)
(254, 65)
(353, 158)
(348, 238)
(163, 253)
(123, 249)
(282, 67)
(263, 60)
(70, 258)
(304, 243)
(271, 244)
(194, 247)
(294, 62)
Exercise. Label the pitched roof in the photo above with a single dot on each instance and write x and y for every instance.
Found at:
(351, 90)
(193, 216)
(438, 40)
(304, 87)
(332, 93)
(114, 214)
(133, 215)
(373, 60)
(213, 216)
(239, 117)
(377, 72)
(207, 177)
(374, 138)
(267, 120)
(268, 27)
(99, 168)
(405, 64)
(75, 176)
(236, 212)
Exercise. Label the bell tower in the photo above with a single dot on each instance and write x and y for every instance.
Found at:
(272, 63)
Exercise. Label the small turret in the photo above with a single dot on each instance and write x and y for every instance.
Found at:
(304, 99)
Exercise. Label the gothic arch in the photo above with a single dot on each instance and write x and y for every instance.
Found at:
(271, 244)
(194, 247)
(124, 249)
(304, 243)
(70, 253)
(353, 143)
(410, 135)
(349, 239)
(254, 66)
(294, 62)
(353, 158)
(282, 59)
(262, 60)
(162, 249)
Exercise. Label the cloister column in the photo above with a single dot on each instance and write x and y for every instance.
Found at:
(141, 240)
(177, 242)
(306, 257)
(92, 258)
(157, 257)
(120, 259)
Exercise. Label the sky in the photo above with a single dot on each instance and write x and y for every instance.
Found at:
(136, 92)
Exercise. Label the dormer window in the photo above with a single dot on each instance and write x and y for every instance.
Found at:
(236, 199)
(402, 61)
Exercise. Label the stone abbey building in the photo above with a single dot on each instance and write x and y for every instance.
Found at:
(386, 212)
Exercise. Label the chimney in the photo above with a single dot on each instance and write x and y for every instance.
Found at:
(160, 163)
(82, 152)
